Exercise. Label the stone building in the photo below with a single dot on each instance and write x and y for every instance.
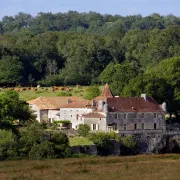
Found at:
(46, 109)
(124, 115)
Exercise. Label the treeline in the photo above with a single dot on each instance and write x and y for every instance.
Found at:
(134, 54)
(84, 22)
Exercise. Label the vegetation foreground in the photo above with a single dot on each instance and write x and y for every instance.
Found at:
(136, 167)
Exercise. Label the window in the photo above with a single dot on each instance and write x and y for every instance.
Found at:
(135, 126)
(115, 127)
(155, 126)
(142, 125)
(94, 126)
(116, 116)
(155, 115)
(125, 116)
(71, 116)
(125, 127)
(142, 115)
(135, 115)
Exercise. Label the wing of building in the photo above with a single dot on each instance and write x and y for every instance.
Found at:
(103, 113)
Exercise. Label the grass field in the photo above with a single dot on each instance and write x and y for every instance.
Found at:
(47, 92)
(79, 141)
(159, 167)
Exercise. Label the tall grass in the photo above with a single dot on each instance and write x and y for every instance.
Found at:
(151, 167)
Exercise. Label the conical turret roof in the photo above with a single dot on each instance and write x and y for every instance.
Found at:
(106, 93)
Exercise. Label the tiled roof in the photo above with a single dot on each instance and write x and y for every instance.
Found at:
(106, 93)
(93, 115)
(53, 102)
(133, 104)
(78, 104)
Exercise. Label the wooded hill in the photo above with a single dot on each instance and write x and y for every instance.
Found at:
(134, 54)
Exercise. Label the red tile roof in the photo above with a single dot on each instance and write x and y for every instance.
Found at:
(78, 104)
(106, 93)
(93, 115)
(53, 102)
(133, 104)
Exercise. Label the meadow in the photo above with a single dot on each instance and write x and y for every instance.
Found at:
(32, 93)
(146, 167)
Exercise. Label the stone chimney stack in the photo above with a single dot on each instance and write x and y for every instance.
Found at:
(164, 107)
(144, 96)
(93, 103)
(105, 108)
(68, 101)
(100, 104)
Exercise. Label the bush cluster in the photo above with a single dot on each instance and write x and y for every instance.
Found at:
(33, 142)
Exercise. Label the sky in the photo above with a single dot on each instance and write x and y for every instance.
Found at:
(121, 7)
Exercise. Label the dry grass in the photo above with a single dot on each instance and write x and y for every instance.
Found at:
(160, 167)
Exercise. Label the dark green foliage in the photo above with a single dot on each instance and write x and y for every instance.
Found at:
(61, 145)
(83, 130)
(11, 69)
(128, 146)
(36, 143)
(103, 141)
(8, 145)
(12, 108)
(92, 92)
(45, 150)
(88, 48)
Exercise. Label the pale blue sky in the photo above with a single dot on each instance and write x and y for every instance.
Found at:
(121, 7)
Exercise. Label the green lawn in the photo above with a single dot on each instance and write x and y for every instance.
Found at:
(79, 141)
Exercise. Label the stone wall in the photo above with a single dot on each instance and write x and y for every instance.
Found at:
(149, 143)
(149, 119)
(158, 143)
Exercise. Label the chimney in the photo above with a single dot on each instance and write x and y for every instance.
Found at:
(68, 101)
(93, 103)
(144, 96)
(164, 107)
(105, 108)
(100, 104)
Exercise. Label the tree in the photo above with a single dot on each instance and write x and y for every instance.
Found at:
(61, 145)
(10, 70)
(83, 130)
(8, 145)
(12, 108)
(92, 92)
(118, 75)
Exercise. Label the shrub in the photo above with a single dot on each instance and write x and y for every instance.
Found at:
(62, 93)
(8, 145)
(61, 145)
(44, 150)
(129, 146)
(102, 140)
(83, 130)
(31, 135)
(92, 92)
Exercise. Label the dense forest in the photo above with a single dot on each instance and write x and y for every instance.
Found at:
(134, 54)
